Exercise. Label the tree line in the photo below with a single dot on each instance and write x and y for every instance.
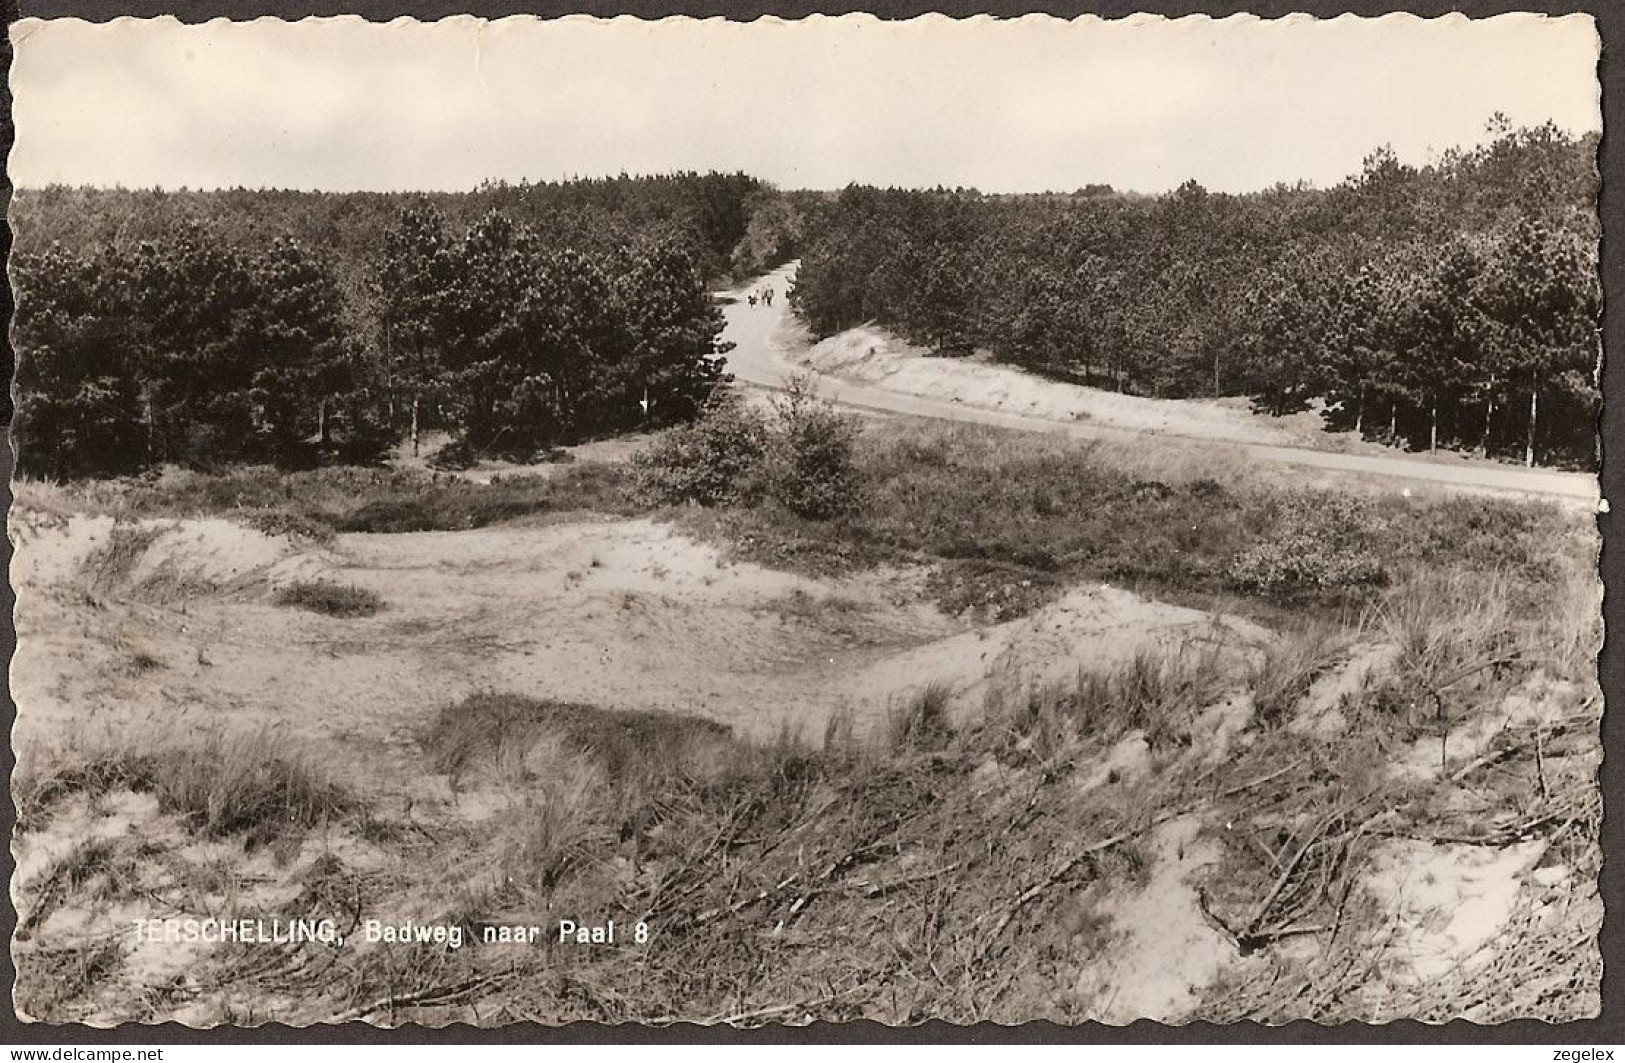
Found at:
(292, 328)
(1453, 304)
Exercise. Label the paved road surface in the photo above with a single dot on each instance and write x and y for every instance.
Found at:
(760, 357)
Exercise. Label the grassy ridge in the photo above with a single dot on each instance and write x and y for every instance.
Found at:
(1006, 520)
(318, 503)
(1010, 519)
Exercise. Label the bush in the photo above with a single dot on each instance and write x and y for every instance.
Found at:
(320, 502)
(288, 522)
(810, 468)
(332, 599)
(1318, 543)
(802, 458)
(714, 461)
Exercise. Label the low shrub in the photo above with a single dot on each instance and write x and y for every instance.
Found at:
(713, 461)
(319, 501)
(341, 600)
(810, 465)
(801, 458)
(1446, 626)
(1314, 542)
(288, 522)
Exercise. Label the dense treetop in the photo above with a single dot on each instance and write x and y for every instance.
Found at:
(291, 327)
(1411, 302)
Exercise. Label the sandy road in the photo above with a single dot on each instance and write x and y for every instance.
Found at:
(766, 342)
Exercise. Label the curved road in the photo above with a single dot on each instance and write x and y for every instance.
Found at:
(765, 341)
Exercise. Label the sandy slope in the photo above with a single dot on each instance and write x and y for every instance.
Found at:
(626, 614)
(871, 355)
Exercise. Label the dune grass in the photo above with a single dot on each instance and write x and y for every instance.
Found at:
(922, 720)
(247, 785)
(1005, 519)
(1286, 667)
(627, 745)
(342, 600)
(1158, 691)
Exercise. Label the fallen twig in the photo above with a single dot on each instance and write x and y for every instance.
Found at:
(432, 995)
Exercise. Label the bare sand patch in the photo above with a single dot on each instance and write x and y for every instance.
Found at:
(872, 355)
(1451, 900)
(1163, 952)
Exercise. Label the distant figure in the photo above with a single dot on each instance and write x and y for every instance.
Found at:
(751, 298)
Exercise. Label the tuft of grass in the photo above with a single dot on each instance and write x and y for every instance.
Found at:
(628, 745)
(37, 793)
(559, 827)
(840, 739)
(585, 779)
(991, 591)
(1315, 543)
(341, 600)
(1287, 666)
(1565, 632)
(50, 981)
(923, 720)
(800, 459)
(114, 561)
(1445, 623)
(140, 662)
(1155, 691)
(248, 785)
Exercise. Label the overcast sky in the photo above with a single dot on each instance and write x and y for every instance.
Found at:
(1030, 104)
